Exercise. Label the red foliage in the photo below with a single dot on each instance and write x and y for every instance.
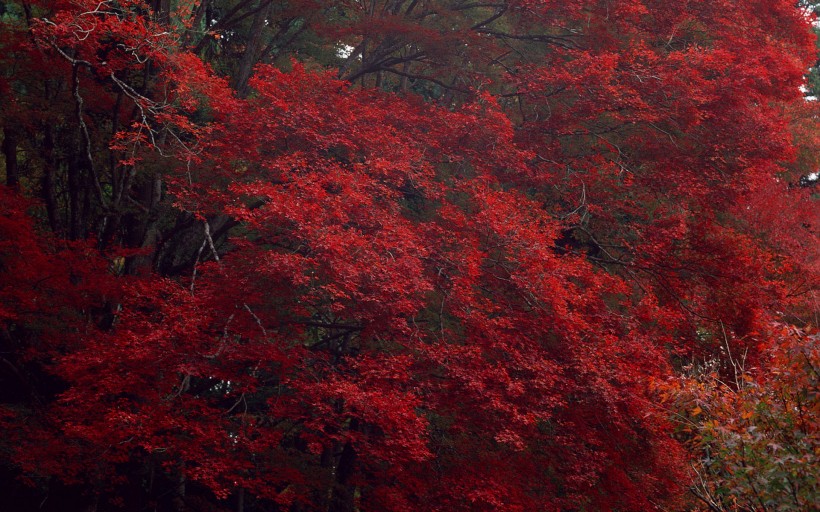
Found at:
(415, 306)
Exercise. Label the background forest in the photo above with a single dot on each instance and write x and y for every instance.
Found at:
(409, 255)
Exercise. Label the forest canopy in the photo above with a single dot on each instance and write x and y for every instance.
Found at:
(409, 255)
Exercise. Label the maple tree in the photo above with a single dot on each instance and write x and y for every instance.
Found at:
(405, 255)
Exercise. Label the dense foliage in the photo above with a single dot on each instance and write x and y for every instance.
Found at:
(756, 434)
(407, 255)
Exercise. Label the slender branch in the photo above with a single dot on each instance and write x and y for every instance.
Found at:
(196, 262)
(210, 241)
(500, 12)
(258, 320)
(78, 100)
(426, 78)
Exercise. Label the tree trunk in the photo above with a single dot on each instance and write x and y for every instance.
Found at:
(162, 11)
(73, 197)
(49, 193)
(178, 500)
(252, 50)
(342, 499)
(10, 141)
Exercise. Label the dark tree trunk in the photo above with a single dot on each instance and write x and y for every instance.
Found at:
(162, 8)
(73, 197)
(49, 193)
(178, 499)
(10, 141)
(253, 49)
(342, 499)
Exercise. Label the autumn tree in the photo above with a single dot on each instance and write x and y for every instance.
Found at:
(755, 432)
(403, 255)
